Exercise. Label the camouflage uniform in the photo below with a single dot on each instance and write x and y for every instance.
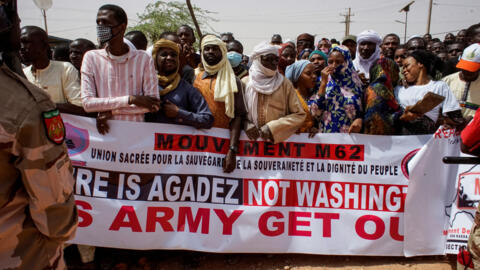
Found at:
(37, 207)
(474, 241)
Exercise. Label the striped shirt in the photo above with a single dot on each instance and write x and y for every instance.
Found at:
(108, 81)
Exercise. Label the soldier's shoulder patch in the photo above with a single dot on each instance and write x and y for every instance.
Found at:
(54, 127)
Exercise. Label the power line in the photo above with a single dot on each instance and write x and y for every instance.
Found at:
(276, 22)
(455, 5)
(308, 13)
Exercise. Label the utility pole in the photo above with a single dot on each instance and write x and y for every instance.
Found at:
(43, 5)
(429, 16)
(347, 21)
(405, 9)
(44, 13)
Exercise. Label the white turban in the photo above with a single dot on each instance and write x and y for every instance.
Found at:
(363, 65)
(261, 79)
(264, 48)
(369, 35)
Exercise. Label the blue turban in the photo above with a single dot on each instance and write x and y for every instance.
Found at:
(322, 54)
(294, 71)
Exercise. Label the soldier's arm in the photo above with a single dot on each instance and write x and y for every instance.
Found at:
(46, 173)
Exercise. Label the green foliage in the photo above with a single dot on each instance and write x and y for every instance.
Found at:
(168, 16)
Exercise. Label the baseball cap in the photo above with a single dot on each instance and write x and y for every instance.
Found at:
(349, 37)
(470, 60)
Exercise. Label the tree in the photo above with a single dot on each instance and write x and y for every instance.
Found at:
(168, 16)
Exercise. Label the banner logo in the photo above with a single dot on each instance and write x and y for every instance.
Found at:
(405, 162)
(77, 139)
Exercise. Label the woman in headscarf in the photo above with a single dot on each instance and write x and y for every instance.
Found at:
(381, 108)
(418, 68)
(303, 77)
(338, 104)
(319, 60)
(182, 103)
(324, 45)
(274, 110)
(287, 56)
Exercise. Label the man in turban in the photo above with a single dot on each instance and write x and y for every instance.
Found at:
(368, 52)
(274, 110)
(182, 103)
(223, 92)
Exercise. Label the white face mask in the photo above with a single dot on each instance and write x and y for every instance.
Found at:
(266, 71)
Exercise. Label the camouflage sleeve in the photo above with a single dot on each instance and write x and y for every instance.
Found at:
(47, 176)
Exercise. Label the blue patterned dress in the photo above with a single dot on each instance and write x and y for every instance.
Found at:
(342, 103)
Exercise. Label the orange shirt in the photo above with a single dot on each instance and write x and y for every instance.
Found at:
(206, 86)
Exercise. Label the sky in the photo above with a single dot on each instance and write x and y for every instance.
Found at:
(254, 21)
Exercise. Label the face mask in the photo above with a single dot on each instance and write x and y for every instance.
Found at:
(104, 33)
(234, 58)
(264, 70)
(325, 50)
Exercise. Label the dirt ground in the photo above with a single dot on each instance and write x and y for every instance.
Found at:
(107, 259)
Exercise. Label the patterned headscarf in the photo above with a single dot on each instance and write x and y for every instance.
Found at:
(344, 77)
(381, 107)
(385, 72)
(170, 82)
(226, 84)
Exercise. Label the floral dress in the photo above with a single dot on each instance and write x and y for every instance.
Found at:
(342, 103)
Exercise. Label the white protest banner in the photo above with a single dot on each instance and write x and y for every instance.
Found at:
(430, 192)
(157, 186)
(463, 206)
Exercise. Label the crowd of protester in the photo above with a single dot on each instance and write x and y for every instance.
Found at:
(362, 84)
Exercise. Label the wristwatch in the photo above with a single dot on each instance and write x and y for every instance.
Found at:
(234, 148)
